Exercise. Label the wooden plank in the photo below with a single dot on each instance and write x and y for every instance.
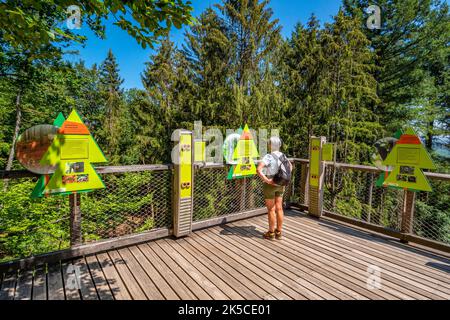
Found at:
(396, 249)
(115, 282)
(86, 249)
(302, 256)
(440, 246)
(87, 287)
(159, 281)
(71, 281)
(24, 285)
(409, 264)
(55, 283)
(200, 264)
(415, 269)
(357, 258)
(308, 273)
(395, 252)
(278, 289)
(235, 269)
(196, 289)
(127, 276)
(198, 272)
(101, 284)
(294, 287)
(390, 285)
(145, 282)
(8, 286)
(184, 246)
(40, 284)
(167, 274)
(324, 253)
(228, 218)
(250, 247)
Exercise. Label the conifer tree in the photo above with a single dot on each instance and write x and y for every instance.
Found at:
(350, 89)
(110, 85)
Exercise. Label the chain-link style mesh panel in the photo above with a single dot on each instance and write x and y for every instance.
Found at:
(215, 195)
(131, 203)
(432, 212)
(294, 191)
(354, 194)
(31, 226)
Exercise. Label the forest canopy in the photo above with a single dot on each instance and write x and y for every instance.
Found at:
(338, 79)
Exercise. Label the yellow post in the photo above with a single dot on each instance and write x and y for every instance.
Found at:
(183, 183)
(316, 176)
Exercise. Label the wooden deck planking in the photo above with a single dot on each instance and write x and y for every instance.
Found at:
(409, 279)
(317, 259)
(417, 265)
(24, 285)
(101, 283)
(340, 258)
(391, 285)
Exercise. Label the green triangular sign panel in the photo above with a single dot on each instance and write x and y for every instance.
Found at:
(72, 152)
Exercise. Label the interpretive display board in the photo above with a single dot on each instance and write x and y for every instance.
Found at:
(71, 153)
(408, 158)
(244, 153)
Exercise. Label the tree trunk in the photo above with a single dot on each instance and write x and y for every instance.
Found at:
(429, 140)
(16, 130)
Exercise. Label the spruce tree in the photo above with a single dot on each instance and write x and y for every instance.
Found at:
(410, 32)
(114, 110)
(350, 90)
(303, 84)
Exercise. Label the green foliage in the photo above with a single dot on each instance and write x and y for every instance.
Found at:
(30, 226)
(32, 24)
(339, 80)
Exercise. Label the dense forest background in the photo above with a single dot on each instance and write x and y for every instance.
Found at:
(339, 79)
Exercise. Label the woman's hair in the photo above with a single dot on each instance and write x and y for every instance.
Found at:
(275, 143)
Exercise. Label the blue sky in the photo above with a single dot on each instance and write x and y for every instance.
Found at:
(131, 57)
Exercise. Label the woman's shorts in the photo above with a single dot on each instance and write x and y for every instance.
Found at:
(271, 192)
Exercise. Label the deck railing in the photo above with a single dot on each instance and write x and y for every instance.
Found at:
(137, 206)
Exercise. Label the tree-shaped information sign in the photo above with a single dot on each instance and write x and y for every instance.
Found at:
(244, 153)
(72, 152)
(408, 158)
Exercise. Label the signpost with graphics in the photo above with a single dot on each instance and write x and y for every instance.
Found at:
(408, 158)
(244, 153)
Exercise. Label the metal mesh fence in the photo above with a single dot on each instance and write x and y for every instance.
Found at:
(31, 226)
(294, 192)
(215, 195)
(354, 194)
(136, 202)
(131, 203)
(432, 212)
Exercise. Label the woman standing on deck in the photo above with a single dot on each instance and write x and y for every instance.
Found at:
(273, 194)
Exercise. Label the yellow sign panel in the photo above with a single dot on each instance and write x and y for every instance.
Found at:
(185, 166)
(72, 152)
(314, 164)
(74, 149)
(327, 152)
(199, 151)
(409, 155)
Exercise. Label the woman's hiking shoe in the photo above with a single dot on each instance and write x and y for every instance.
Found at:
(278, 235)
(269, 235)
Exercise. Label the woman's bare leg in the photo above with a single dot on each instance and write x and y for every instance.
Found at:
(280, 212)
(270, 204)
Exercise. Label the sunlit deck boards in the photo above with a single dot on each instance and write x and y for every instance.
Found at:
(315, 260)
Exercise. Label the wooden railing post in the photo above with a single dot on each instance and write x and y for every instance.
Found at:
(304, 183)
(407, 213)
(183, 182)
(75, 219)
